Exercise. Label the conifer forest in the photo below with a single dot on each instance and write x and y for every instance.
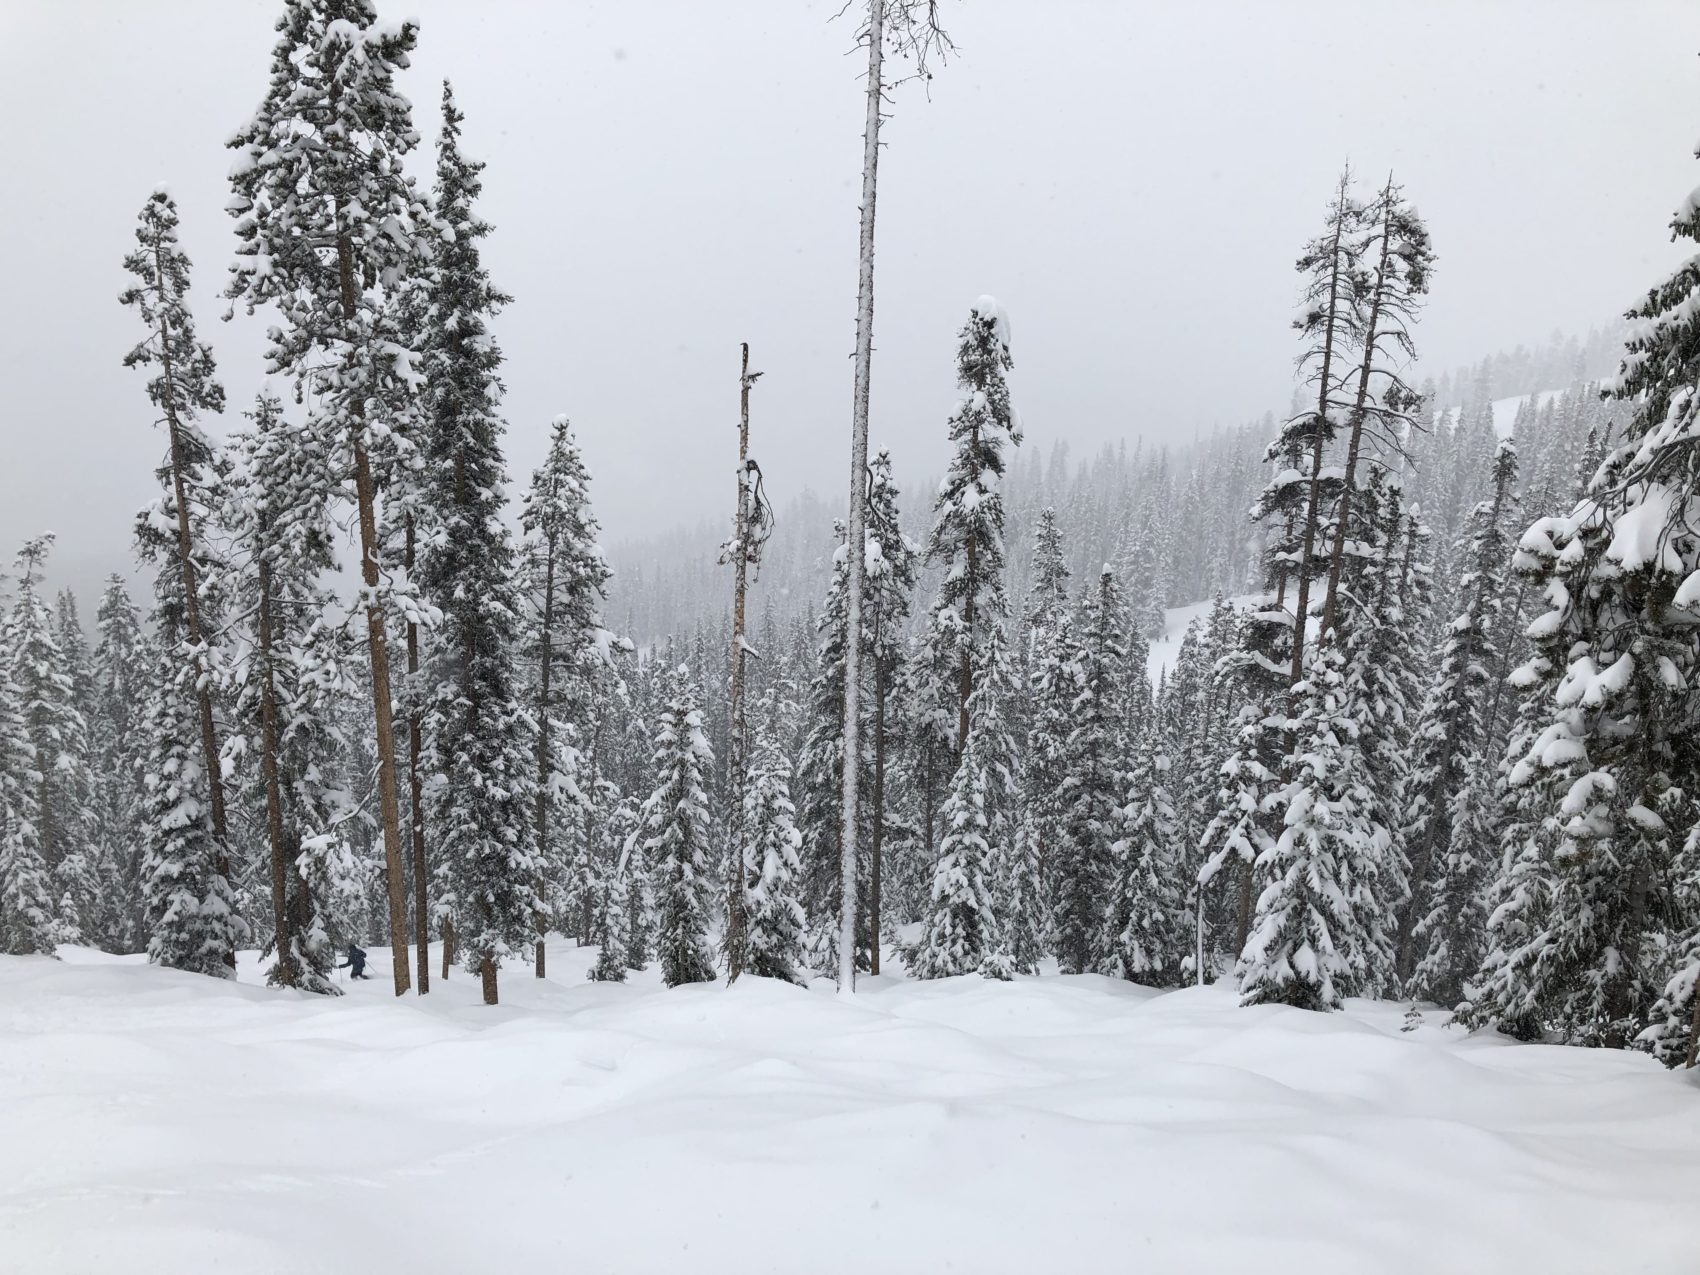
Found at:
(1146, 833)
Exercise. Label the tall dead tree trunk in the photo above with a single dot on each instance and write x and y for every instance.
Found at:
(745, 548)
(855, 529)
(876, 850)
(377, 643)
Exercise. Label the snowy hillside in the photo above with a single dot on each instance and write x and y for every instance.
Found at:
(162, 1122)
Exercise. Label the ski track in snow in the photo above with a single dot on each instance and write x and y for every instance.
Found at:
(159, 1121)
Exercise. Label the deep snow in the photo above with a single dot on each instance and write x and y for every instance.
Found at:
(156, 1121)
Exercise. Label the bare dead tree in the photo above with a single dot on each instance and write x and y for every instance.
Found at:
(911, 31)
(751, 527)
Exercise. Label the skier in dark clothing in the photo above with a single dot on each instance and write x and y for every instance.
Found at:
(356, 963)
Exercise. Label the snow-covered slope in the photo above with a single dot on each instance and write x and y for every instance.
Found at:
(160, 1122)
(1166, 647)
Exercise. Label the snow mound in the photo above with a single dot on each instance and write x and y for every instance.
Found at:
(161, 1122)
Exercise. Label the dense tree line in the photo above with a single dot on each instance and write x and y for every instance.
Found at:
(1427, 734)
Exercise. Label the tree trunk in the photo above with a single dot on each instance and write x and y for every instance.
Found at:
(876, 850)
(487, 977)
(448, 946)
(855, 530)
(1312, 506)
(416, 790)
(192, 604)
(377, 642)
(287, 973)
(1337, 551)
(737, 882)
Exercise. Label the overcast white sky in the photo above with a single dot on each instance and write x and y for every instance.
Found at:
(669, 177)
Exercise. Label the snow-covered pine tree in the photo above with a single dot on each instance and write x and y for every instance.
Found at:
(1447, 872)
(118, 682)
(325, 218)
(1051, 691)
(958, 928)
(185, 386)
(278, 520)
(566, 580)
(820, 781)
(968, 513)
(891, 560)
(1318, 935)
(59, 737)
(1331, 264)
(1146, 937)
(613, 928)
(678, 841)
(479, 738)
(1093, 786)
(1611, 954)
(775, 917)
(1397, 261)
(28, 920)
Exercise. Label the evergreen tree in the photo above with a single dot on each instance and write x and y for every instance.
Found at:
(1447, 777)
(278, 519)
(119, 677)
(59, 738)
(325, 219)
(479, 740)
(1317, 935)
(1582, 943)
(959, 923)
(1145, 938)
(775, 916)
(676, 819)
(28, 911)
(1052, 687)
(171, 535)
(968, 513)
(1093, 786)
(567, 579)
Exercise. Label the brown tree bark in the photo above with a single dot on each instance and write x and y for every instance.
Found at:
(377, 642)
(876, 851)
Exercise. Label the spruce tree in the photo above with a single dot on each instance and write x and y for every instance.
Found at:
(1146, 937)
(775, 917)
(28, 911)
(282, 535)
(1594, 960)
(1451, 753)
(1317, 935)
(677, 845)
(119, 679)
(1093, 785)
(326, 218)
(171, 534)
(958, 925)
(479, 737)
(59, 738)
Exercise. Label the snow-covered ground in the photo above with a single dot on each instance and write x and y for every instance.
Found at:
(155, 1121)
